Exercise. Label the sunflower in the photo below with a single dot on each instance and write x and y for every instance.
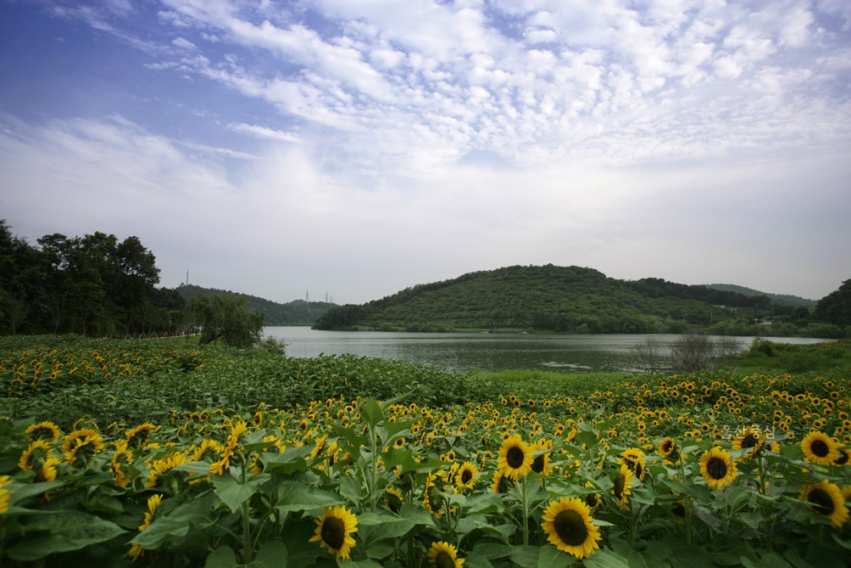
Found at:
(466, 476)
(121, 456)
(820, 448)
(515, 457)
(568, 525)
(334, 529)
(717, 468)
(444, 555)
(500, 483)
(592, 499)
(207, 450)
(667, 448)
(163, 466)
(541, 463)
(844, 457)
(153, 502)
(749, 439)
(826, 499)
(35, 455)
(5, 494)
(622, 487)
(634, 458)
(394, 499)
(138, 436)
(431, 491)
(47, 431)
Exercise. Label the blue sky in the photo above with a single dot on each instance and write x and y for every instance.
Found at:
(357, 147)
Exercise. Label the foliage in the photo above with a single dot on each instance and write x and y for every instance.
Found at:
(835, 308)
(552, 298)
(769, 356)
(92, 285)
(225, 317)
(210, 481)
(297, 312)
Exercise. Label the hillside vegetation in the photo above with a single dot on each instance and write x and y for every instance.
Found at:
(297, 312)
(569, 299)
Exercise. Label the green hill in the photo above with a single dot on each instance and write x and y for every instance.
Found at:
(550, 298)
(297, 312)
(778, 299)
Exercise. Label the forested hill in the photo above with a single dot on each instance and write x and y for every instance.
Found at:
(297, 312)
(778, 299)
(553, 298)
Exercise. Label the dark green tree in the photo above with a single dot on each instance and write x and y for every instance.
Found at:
(225, 317)
(835, 308)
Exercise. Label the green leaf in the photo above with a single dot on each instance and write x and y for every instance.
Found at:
(605, 559)
(525, 556)
(358, 564)
(273, 554)
(192, 514)
(233, 493)
(295, 496)
(223, 557)
(492, 550)
(105, 504)
(551, 557)
(289, 462)
(380, 549)
(371, 413)
(25, 490)
(67, 530)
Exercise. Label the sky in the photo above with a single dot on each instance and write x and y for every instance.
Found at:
(357, 147)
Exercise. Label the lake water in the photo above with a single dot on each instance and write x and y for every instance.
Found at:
(483, 351)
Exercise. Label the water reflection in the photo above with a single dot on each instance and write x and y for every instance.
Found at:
(486, 352)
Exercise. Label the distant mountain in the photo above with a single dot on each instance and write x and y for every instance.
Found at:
(778, 299)
(549, 298)
(297, 312)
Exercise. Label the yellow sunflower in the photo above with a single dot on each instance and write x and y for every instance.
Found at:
(334, 529)
(749, 439)
(820, 448)
(153, 502)
(35, 455)
(844, 458)
(592, 499)
(826, 499)
(431, 493)
(622, 488)
(515, 457)
(717, 468)
(5, 494)
(634, 458)
(541, 463)
(444, 555)
(500, 483)
(466, 476)
(667, 447)
(47, 431)
(568, 525)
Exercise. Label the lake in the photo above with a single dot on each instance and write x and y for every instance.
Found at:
(483, 351)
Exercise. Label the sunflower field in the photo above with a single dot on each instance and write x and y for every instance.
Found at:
(158, 453)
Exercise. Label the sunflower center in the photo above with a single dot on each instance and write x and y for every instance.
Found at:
(639, 469)
(716, 468)
(443, 560)
(334, 532)
(667, 447)
(820, 448)
(515, 457)
(749, 441)
(842, 459)
(591, 500)
(679, 510)
(466, 476)
(619, 485)
(538, 464)
(570, 528)
(823, 502)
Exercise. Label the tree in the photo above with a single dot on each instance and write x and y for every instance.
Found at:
(835, 308)
(225, 317)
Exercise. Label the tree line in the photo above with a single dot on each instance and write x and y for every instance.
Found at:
(92, 285)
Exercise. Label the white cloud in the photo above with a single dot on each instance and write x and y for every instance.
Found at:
(263, 132)
(183, 43)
